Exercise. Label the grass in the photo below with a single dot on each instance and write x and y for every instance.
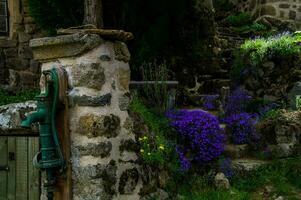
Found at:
(282, 176)
(7, 98)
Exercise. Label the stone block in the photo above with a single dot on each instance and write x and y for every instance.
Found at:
(5, 43)
(17, 63)
(23, 37)
(25, 52)
(124, 76)
(34, 66)
(93, 101)
(48, 48)
(128, 181)
(124, 101)
(101, 149)
(121, 52)
(268, 10)
(95, 181)
(30, 28)
(88, 75)
(11, 52)
(94, 126)
(292, 15)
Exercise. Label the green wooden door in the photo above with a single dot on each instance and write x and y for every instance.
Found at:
(19, 180)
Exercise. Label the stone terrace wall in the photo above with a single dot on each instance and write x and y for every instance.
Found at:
(17, 67)
(104, 165)
(287, 10)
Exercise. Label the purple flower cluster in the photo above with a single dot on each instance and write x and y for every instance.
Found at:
(236, 102)
(200, 135)
(184, 162)
(209, 102)
(242, 127)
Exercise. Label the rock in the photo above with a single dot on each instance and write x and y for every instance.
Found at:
(124, 101)
(236, 151)
(95, 126)
(101, 149)
(128, 181)
(93, 101)
(88, 75)
(158, 195)
(124, 75)
(293, 97)
(5, 43)
(63, 46)
(121, 52)
(129, 145)
(23, 37)
(94, 181)
(246, 165)
(221, 181)
(11, 116)
(282, 150)
(279, 198)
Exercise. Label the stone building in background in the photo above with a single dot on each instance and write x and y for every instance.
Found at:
(18, 70)
(273, 12)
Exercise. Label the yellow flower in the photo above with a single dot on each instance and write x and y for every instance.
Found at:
(145, 138)
(149, 154)
(141, 150)
(161, 147)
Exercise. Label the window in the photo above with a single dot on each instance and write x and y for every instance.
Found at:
(3, 18)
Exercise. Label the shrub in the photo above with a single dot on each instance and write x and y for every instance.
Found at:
(155, 148)
(7, 98)
(253, 52)
(242, 128)
(201, 138)
(239, 20)
(156, 94)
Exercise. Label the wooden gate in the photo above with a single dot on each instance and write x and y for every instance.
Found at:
(19, 180)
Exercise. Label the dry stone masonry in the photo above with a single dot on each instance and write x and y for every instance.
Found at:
(17, 67)
(104, 166)
(273, 11)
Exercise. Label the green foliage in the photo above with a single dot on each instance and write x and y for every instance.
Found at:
(6, 98)
(163, 30)
(253, 52)
(251, 29)
(223, 5)
(239, 20)
(283, 176)
(156, 95)
(53, 14)
(156, 149)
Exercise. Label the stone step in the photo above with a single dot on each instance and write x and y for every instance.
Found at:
(247, 164)
(236, 151)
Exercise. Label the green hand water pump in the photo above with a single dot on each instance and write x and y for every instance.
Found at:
(50, 158)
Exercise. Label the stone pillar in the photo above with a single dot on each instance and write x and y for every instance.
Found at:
(99, 77)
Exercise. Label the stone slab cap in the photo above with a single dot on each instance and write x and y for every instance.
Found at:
(49, 48)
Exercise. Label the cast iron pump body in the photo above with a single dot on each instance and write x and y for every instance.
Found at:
(50, 157)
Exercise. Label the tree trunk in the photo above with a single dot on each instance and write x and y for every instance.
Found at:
(93, 13)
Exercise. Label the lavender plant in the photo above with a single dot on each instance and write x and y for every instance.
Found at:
(201, 138)
(209, 102)
(242, 128)
(236, 102)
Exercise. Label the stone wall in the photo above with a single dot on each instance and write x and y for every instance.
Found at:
(271, 11)
(17, 67)
(103, 165)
